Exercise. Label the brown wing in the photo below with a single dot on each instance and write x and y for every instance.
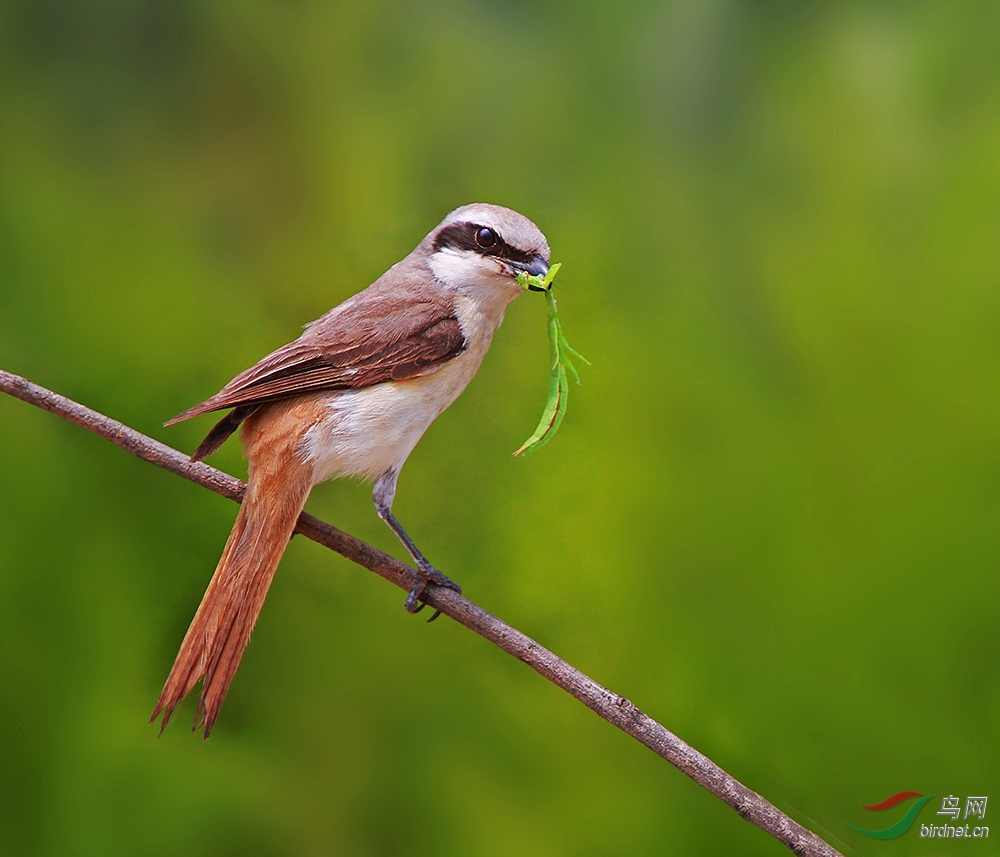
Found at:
(355, 345)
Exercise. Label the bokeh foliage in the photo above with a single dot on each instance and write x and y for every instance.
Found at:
(770, 518)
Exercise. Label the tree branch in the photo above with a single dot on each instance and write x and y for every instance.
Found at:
(617, 710)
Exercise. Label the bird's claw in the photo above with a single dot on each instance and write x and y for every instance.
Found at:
(413, 604)
(428, 574)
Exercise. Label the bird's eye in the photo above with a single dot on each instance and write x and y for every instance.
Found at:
(485, 237)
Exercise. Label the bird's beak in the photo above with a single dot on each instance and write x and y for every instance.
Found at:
(536, 267)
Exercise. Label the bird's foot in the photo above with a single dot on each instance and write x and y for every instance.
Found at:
(428, 574)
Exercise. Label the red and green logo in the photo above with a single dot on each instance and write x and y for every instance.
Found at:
(905, 823)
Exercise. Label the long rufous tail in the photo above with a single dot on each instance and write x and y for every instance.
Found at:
(278, 486)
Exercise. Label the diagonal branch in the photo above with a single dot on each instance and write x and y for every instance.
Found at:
(617, 710)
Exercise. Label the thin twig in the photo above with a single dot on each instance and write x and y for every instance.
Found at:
(617, 710)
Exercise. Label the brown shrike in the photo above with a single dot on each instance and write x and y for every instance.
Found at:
(350, 397)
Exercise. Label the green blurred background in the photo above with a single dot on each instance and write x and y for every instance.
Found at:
(770, 517)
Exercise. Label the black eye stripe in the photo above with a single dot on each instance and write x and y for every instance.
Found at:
(462, 236)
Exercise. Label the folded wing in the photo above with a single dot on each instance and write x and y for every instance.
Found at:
(356, 345)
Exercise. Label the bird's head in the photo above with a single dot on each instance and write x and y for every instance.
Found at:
(481, 248)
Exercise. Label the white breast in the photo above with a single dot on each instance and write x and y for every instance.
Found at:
(367, 432)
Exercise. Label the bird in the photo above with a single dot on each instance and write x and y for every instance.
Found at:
(351, 397)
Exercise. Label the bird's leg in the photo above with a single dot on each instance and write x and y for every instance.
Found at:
(383, 495)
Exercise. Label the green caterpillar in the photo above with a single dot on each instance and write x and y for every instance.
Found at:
(560, 352)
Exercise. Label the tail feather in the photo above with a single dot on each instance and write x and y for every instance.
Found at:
(219, 633)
